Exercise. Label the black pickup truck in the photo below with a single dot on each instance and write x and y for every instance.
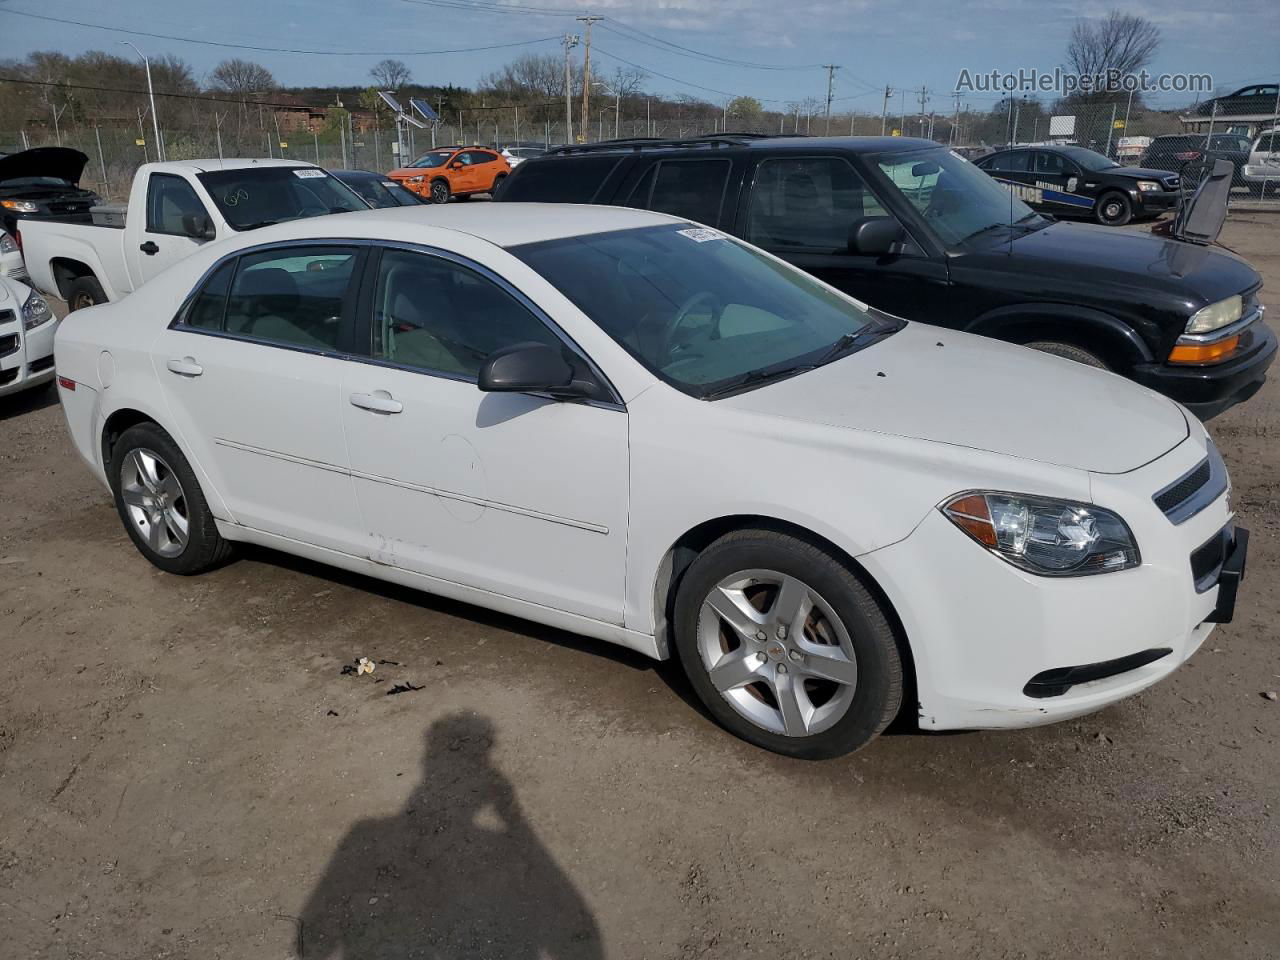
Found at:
(914, 229)
(43, 184)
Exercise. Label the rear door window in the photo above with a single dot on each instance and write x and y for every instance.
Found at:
(209, 306)
(692, 189)
(1015, 162)
(808, 203)
(296, 296)
(559, 180)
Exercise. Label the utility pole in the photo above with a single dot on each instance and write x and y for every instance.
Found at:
(884, 110)
(570, 41)
(831, 69)
(586, 69)
(155, 120)
(955, 121)
(924, 98)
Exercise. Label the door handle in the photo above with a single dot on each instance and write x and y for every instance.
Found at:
(379, 402)
(186, 367)
(149, 248)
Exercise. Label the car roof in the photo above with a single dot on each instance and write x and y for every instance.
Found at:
(502, 224)
(752, 142)
(234, 163)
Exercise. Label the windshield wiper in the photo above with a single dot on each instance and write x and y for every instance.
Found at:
(255, 225)
(754, 378)
(839, 348)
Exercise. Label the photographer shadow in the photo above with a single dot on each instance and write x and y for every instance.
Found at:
(457, 873)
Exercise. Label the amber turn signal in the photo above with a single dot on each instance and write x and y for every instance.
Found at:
(1204, 352)
(972, 515)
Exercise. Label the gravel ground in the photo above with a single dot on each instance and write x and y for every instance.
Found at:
(186, 771)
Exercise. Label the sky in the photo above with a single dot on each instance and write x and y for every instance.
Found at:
(768, 49)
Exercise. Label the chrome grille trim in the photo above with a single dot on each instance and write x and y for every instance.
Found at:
(1183, 506)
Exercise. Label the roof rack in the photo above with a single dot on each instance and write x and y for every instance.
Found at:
(655, 143)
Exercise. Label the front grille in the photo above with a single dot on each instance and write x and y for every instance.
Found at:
(39, 366)
(1184, 488)
(8, 344)
(1194, 490)
(1207, 559)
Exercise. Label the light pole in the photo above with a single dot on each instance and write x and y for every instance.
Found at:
(617, 107)
(155, 120)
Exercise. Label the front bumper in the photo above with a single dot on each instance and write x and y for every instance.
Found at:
(1154, 202)
(986, 630)
(1211, 389)
(26, 357)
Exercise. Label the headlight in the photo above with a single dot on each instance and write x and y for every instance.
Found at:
(417, 179)
(35, 311)
(1148, 186)
(1051, 538)
(22, 206)
(6, 243)
(1216, 315)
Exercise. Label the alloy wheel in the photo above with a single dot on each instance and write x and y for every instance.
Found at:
(155, 502)
(440, 192)
(777, 652)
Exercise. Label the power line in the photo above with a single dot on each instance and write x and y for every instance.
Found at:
(683, 83)
(265, 49)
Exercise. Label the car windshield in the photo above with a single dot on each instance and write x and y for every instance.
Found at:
(254, 197)
(379, 192)
(704, 312)
(954, 197)
(436, 158)
(1088, 159)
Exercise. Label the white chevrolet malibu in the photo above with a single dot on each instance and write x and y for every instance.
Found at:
(644, 431)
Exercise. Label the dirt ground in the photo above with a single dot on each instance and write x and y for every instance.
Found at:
(185, 771)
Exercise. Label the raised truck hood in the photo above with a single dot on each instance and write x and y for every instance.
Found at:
(984, 394)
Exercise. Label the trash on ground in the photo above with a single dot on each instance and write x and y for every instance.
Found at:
(405, 687)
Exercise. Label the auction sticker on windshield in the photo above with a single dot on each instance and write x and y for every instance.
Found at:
(702, 234)
(308, 174)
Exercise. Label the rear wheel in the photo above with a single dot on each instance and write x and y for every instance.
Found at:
(84, 292)
(1069, 351)
(161, 504)
(785, 646)
(497, 182)
(440, 191)
(1113, 210)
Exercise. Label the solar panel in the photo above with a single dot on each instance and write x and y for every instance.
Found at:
(424, 108)
(390, 101)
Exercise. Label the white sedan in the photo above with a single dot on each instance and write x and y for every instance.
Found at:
(27, 326)
(641, 430)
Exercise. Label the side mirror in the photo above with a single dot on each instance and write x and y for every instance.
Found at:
(456, 165)
(198, 226)
(876, 236)
(531, 368)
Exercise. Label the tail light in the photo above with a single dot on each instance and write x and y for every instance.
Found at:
(1188, 155)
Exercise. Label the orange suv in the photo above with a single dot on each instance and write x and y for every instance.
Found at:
(453, 171)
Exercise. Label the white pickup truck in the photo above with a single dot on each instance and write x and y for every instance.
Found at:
(173, 209)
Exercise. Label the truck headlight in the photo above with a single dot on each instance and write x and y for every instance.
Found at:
(1216, 316)
(35, 311)
(22, 206)
(6, 243)
(1148, 186)
(1047, 537)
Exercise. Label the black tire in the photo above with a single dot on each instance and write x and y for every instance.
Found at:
(497, 184)
(1113, 210)
(877, 695)
(205, 548)
(440, 191)
(1069, 351)
(84, 292)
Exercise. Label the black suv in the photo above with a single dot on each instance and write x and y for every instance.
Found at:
(915, 230)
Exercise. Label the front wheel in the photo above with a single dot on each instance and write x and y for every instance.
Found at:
(161, 504)
(440, 191)
(1113, 210)
(85, 292)
(1069, 351)
(786, 647)
(497, 183)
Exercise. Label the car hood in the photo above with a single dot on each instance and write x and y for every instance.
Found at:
(1138, 173)
(61, 162)
(939, 385)
(1195, 269)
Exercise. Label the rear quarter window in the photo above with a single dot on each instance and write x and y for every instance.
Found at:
(559, 179)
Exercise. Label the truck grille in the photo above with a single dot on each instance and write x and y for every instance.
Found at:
(1194, 490)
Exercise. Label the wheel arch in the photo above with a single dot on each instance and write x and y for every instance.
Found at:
(1117, 342)
(67, 270)
(681, 554)
(116, 423)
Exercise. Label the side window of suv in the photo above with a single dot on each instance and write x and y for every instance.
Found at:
(559, 179)
(693, 189)
(808, 203)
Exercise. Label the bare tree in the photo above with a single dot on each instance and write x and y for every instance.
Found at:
(391, 75)
(1119, 43)
(241, 78)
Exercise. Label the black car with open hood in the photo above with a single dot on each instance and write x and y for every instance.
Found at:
(43, 184)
